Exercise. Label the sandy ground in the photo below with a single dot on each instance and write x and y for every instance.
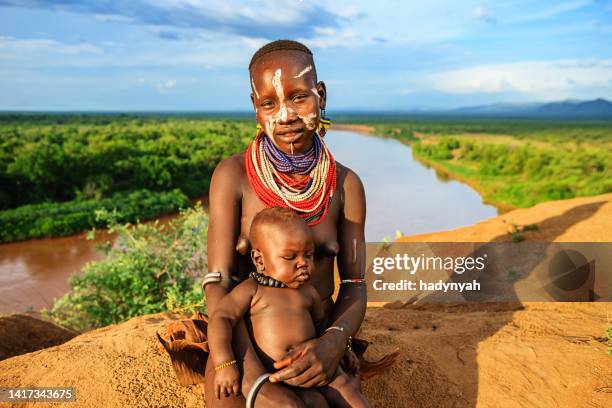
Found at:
(466, 355)
(452, 355)
(584, 219)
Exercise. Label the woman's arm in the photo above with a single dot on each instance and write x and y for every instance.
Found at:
(225, 197)
(223, 228)
(314, 362)
(350, 306)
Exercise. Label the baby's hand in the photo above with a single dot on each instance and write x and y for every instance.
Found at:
(227, 381)
(350, 362)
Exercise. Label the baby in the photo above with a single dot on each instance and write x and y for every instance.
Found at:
(281, 310)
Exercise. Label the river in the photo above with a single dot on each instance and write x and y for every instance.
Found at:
(401, 194)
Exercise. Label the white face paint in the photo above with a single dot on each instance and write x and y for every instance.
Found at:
(280, 93)
(309, 120)
(283, 111)
(304, 71)
(270, 125)
(254, 89)
(314, 91)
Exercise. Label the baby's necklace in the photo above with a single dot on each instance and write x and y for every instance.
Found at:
(266, 280)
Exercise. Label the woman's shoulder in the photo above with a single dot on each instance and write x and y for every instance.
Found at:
(347, 179)
(228, 178)
(231, 166)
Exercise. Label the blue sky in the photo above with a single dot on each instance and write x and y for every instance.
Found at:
(193, 55)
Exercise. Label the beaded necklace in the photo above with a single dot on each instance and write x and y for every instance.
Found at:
(298, 163)
(266, 280)
(268, 170)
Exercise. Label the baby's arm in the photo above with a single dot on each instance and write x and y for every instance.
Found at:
(228, 313)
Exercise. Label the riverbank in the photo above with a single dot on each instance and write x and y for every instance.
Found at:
(442, 171)
(510, 165)
(582, 219)
(445, 172)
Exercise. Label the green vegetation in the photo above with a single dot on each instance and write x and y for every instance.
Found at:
(149, 268)
(57, 169)
(521, 128)
(66, 166)
(512, 162)
(525, 173)
(38, 220)
(516, 231)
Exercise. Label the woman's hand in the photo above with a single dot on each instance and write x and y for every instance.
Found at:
(312, 363)
(350, 363)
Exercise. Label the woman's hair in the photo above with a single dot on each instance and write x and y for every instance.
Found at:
(282, 45)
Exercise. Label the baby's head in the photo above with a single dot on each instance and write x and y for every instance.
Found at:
(283, 247)
(285, 93)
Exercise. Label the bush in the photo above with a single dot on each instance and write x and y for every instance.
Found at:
(149, 268)
(74, 156)
(58, 219)
(522, 174)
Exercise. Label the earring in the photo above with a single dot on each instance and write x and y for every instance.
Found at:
(258, 129)
(324, 124)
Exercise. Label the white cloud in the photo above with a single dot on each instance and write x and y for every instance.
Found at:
(112, 18)
(208, 52)
(166, 86)
(544, 80)
(479, 13)
(271, 11)
(556, 10)
(324, 30)
(12, 47)
(254, 43)
(406, 91)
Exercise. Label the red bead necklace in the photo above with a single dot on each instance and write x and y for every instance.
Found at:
(309, 197)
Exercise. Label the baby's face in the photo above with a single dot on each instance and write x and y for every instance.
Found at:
(287, 99)
(287, 254)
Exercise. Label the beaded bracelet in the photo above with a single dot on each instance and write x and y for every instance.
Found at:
(354, 280)
(226, 364)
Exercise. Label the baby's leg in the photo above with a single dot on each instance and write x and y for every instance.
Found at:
(311, 397)
(344, 391)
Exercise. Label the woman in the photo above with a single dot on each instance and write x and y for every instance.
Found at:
(288, 99)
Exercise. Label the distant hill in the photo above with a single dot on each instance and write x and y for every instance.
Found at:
(598, 108)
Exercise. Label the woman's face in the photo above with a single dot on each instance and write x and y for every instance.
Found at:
(286, 99)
